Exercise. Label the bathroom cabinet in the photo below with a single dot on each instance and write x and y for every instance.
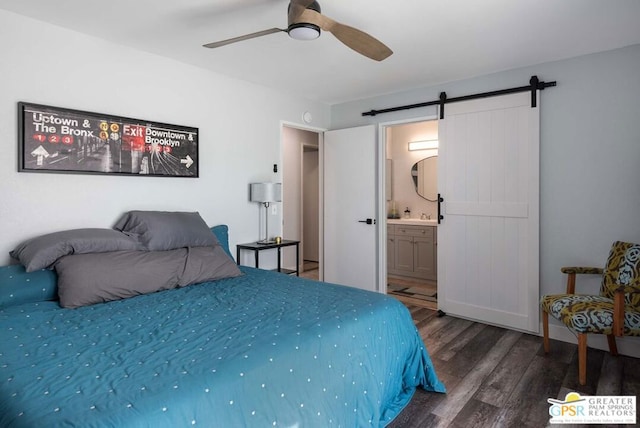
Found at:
(411, 251)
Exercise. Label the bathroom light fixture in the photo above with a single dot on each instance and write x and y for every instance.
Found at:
(265, 193)
(423, 145)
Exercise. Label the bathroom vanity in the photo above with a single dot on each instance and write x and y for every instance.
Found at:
(412, 248)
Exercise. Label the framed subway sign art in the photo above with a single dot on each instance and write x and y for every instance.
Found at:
(54, 139)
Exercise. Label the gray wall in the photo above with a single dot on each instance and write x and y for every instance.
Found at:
(590, 152)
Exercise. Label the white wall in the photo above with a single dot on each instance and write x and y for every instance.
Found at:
(239, 132)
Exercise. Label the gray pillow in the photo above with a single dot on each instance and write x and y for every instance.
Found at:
(85, 279)
(42, 251)
(163, 230)
(207, 264)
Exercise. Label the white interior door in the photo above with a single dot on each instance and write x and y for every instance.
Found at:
(488, 241)
(350, 244)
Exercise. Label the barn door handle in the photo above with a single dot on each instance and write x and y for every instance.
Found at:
(368, 221)
(440, 201)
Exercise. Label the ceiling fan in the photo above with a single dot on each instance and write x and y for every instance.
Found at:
(305, 22)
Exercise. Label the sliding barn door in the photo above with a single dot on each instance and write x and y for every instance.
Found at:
(488, 241)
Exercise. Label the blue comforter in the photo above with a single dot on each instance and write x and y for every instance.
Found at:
(261, 350)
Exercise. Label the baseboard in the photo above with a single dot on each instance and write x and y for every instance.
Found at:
(629, 346)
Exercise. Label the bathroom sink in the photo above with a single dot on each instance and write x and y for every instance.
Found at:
(412, 221)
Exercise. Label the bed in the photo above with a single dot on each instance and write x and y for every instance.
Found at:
(261, 349)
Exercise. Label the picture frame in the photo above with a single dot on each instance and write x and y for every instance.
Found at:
(61, 140)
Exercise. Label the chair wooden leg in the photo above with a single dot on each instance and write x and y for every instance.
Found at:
(582, 358)
(545, 330)
(612, 344)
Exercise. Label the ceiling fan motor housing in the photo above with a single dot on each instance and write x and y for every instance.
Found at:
(313, 6)
(304, 30)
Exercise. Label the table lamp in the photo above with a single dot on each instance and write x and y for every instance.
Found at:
(265, 193)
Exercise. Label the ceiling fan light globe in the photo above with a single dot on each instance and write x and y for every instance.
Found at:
(303, 31)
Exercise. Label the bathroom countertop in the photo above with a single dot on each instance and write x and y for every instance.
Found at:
(412, 221)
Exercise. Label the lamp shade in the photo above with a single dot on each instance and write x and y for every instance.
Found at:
(265, 192)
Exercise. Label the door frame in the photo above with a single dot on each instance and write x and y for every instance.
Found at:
(381, 213)
(320, 132)
(382, 208)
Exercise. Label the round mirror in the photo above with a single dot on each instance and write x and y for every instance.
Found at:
(425, 178)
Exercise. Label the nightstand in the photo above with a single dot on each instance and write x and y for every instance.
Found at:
(256, 248)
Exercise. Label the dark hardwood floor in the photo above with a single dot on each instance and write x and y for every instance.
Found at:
(431, 286)
(502, 378)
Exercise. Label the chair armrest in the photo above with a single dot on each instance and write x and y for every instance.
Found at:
(619, 306)
(581, 270)
(572, 271)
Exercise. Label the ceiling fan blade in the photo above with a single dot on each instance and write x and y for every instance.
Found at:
(362, 42)
(245, 37)
(357, 40)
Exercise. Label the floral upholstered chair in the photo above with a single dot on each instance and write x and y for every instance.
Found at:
(615, 312)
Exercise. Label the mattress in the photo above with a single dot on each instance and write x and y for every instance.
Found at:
(260, 350)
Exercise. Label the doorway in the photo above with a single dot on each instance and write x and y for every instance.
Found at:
(310, 211)
(410, 178)
(301, 197)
